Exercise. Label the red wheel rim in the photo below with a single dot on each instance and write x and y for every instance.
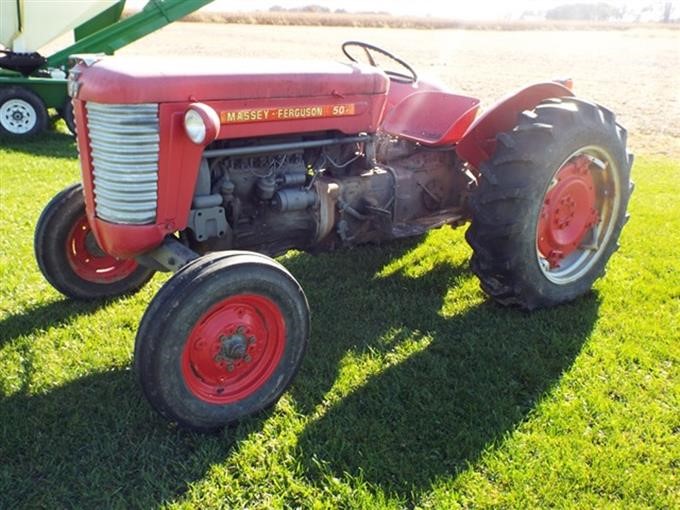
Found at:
(569, 211)
(233, 349)
(88, 260)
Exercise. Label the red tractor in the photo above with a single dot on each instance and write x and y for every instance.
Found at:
(209, 168)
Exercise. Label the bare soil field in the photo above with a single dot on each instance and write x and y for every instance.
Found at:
(636, 73)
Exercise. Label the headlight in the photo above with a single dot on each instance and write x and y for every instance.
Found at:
(201, 124)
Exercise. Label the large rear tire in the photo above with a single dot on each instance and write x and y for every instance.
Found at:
(70, 259)
(550, 205)
(221, 340)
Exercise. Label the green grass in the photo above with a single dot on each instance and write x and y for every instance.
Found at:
(416, 390)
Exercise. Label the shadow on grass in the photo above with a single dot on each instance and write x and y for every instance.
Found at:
(95, 442)
(49, 315)
(51, 144)
(433, 413)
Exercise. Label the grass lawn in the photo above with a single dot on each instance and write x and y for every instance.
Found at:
(416, 391)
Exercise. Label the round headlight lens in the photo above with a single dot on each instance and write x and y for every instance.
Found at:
(194, 126)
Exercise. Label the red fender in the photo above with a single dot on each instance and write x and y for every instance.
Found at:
(479, 141)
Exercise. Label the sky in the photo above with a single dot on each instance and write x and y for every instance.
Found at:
(463, 9)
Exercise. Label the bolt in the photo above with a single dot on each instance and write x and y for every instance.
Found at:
(230, 367)
(251, 340)
(247, 358)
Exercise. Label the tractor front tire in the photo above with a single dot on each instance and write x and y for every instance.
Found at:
(70, 259)
(550, 204)
(221, 340)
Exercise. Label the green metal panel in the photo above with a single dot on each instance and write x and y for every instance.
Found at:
(52, 91)
(156, 14)
(100, 21)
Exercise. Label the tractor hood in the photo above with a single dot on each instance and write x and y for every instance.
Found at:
(127, 80)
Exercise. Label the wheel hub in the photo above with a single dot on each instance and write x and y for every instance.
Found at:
(18, 116)
(569, 211)
(233, 348)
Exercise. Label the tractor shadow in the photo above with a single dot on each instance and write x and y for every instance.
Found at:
(53, 144)
(95, 441)
(430, 415)
(48, 315)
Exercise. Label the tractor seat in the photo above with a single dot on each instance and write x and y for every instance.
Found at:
(431, 118)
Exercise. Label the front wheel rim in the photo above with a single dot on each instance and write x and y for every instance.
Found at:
(234, 349)
(18, 116)
(89, 262)
(578, 215)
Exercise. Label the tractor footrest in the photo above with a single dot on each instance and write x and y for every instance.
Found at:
(453, 216)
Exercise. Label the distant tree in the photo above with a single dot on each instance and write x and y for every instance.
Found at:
(582, 11)
(314, 8)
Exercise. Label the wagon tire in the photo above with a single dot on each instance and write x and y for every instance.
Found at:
(550, 205)
(22, 113)
(70, 259)
(222, 340)
(66, 113)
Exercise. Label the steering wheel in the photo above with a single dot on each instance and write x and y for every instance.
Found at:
(411, 77)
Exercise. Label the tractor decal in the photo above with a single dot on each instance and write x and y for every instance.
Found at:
(276, 114)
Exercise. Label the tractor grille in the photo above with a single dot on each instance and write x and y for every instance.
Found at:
(124, 142)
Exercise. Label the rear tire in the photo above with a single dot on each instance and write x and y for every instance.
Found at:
(550, 204)
(221, 340)
(70, 259)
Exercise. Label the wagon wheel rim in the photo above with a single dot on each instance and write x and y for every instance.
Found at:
(88, 260)
(577, 215)
(233, 349)
(18, 116)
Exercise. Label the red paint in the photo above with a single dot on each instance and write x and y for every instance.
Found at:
(89, 262)
(255, 325)
(248, 85)
(159, 80)
(398, 91)
(479, 142)
(85, 161)
(432, 118)
(179, 160)
(127, 241)
(255, 85)
(569, 211)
